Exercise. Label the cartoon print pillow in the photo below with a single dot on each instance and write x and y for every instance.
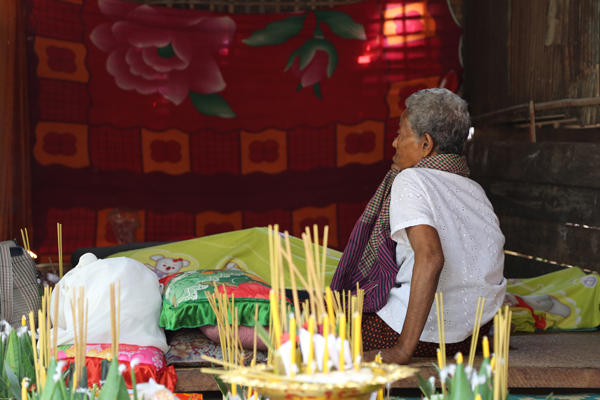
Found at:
(185, 304)
(562, 300)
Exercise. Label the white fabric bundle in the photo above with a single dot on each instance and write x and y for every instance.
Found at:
(141, 302)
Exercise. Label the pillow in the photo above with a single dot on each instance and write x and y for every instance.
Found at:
(185, 304)
(245, 333)
(189, 345)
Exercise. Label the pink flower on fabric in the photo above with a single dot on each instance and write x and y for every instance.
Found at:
(151, 50)
(61, 59)
(315, 71)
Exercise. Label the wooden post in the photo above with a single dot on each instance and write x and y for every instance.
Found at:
(532, 136)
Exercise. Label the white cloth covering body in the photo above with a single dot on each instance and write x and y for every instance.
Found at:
(472, 242)
(141, 302)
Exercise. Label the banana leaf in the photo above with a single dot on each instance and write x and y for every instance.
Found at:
(15, 386)
(114, 388)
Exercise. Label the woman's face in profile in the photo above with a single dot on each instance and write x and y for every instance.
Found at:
(408, 150)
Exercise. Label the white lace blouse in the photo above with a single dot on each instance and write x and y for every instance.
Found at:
(459, 210)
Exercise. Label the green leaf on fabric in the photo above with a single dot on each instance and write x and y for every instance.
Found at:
(211, 104)
(13, 381)
(166, 51)
(317, 90)
(342, 24)
(290, 61)
(276, 32)
(299, 87)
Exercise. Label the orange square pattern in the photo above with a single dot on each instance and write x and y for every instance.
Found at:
(167, 151)
(61, 143)
(362, 143)
(308, 216)
(210, 223)
(60, 59)
(400, 91)
(264, 151)
(394, 16)
(101, 228)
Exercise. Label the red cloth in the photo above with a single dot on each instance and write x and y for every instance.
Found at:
(110, 130)
(143, 373)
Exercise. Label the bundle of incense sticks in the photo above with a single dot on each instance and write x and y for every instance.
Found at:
(476, 328)
(227, 321)
(25, 238)
(502, 322)
(79, 310)
(335, 313)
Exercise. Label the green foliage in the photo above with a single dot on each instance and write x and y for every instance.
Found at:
(13, 381)
(342, 24)
(276, 32)
(114, 388)
(211, 104)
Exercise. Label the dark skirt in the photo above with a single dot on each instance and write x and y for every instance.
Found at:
(377, 335)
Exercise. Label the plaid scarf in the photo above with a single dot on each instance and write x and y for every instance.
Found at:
(369, 259)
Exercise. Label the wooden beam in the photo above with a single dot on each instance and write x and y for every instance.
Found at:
(569, 164)
(543, 201)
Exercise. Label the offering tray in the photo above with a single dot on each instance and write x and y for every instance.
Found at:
(265, 383)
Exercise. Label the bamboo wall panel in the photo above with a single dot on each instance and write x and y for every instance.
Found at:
(551, 51)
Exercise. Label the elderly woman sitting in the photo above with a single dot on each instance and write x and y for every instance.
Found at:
(428, 229)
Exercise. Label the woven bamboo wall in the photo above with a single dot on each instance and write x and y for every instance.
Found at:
(539, 50)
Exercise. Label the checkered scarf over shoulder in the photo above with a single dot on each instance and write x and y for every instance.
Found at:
(370, 256)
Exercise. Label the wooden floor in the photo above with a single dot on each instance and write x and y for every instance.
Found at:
(540, 360)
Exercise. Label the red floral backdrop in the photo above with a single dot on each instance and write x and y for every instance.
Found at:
(194, 123)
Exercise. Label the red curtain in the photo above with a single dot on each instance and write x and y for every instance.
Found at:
(15, 149)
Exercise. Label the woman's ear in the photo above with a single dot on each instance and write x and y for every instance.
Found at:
(427, 145)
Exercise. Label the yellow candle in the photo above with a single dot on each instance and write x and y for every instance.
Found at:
(342, 340)
(493, 363)
(486, 347)
(439, 358)
(326, 336)
(329, 297)
(24, 388)
(355, 339)
(293, 348)
(311, 345)
(378, 360)
(275, 314)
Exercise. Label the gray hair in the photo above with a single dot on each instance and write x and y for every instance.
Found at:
(443, 115)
